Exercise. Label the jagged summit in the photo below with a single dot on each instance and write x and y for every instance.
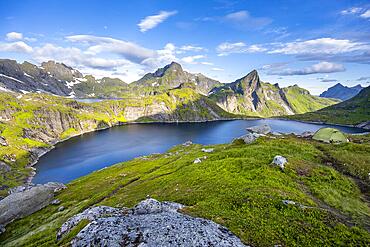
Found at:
(249, 95)
(173, 76)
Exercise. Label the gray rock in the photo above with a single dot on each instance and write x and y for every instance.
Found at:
(187, 143)
(364, 125)
(197, 160)
(60, 209)
(289, 202)
(4, 167)
(161, 225)
(207, 150)
(20, 188)
(260, 129)
(249, 137)
(307, 134)
(276, 133)
(55, 202)
(27, 200)
(2, 229)
(90, 214)
(148, 206)
(279, 161)
(3, 141)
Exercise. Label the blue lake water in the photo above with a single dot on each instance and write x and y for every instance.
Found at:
(83, 154)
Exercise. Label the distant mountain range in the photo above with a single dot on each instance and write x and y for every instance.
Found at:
(354, 111)
(341, 92)
(246, 96)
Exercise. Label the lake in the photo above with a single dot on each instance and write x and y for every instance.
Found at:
(92, 151)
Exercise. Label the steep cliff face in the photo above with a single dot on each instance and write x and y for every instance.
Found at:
(250, 96)
(173, 76)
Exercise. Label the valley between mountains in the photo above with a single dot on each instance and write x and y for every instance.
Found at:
(321, 198)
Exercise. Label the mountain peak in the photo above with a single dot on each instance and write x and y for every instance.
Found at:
(61, 71)
(341, 92)
(173, 66)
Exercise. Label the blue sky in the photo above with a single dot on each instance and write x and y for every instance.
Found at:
(314, 44)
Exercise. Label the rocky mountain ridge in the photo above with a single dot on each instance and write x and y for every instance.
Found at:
(173, 76)
(338, 91)
(247, 95)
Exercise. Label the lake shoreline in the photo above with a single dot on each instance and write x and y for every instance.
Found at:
(38, 153)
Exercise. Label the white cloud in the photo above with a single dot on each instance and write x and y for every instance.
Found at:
(192, 48)
(14, 36)
(238, 16)
(353, 10)
(243, 20)
(322, 67)
(191, 59)
(152, 21)
(18, 46)
(207, 63)
(106, 56)
(161, 57)
(366, 14)
(217, 69)
(320, 46)
(128, 50)
(227, 48)
(75, 57)
(357, 11)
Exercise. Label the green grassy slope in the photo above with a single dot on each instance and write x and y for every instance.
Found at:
(235, 186)
(352, 111)
(36, 121)
(302, 101)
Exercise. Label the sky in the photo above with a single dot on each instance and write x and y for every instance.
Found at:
(314, 44)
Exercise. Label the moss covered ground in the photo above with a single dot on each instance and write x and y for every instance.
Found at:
(236, 186)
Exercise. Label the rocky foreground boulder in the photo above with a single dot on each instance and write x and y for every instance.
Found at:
(25, 200)
(149, 223)
(260, 129)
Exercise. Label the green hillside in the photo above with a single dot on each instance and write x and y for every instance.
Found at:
(353, 111)
(235, 186)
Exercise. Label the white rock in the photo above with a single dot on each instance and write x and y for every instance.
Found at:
(209, 150)
(197, 160)
(279, 161)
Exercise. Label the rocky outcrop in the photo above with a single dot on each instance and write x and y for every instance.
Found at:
(260, 129)
(364, 125)
(3, 141)
(249, 137)
(149, 223)
(25, 200)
